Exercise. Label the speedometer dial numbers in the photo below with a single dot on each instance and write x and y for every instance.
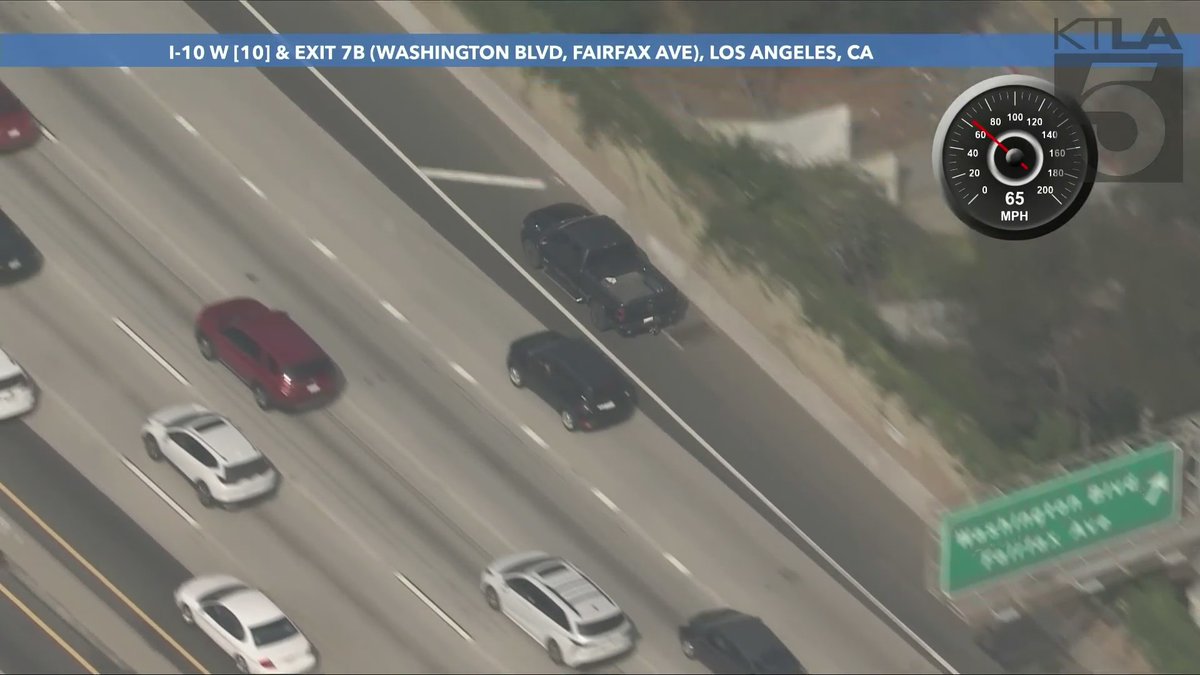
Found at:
(1015, 160)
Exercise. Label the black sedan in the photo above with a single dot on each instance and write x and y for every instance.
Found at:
(728, 641)
(19, 258)
(575, 378)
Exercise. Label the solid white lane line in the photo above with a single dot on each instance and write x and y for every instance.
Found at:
(534, 435)
(161, 495)
(433, 606)
(612, 506)
(678, 565)
(250, 184)
(737, 475)
(323, 249)
(46, 132)
(391, 309)
(186, 124)
(454, 176)
(150, 350)
(462, 372)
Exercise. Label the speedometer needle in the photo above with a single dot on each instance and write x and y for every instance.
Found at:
(998, 143)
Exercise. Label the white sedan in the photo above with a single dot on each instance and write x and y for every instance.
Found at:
(17, 395)
(245, 624)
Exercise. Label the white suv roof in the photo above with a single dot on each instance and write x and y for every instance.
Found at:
(223, 438)
(574, 590)
(8, 367)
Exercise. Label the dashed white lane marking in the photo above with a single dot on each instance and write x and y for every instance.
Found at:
(137, 339)
(484, 179)
(534, 435)
(186, 124)
(126, 70)
(462, 372)
(161, 495)
(678, 565)
(612, 506)
(257, 190)
(49, 136)
(323, 249)
(54, 5)
(391, 309)
(433, 606)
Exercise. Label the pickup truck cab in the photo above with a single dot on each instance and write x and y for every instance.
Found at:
(598, 264)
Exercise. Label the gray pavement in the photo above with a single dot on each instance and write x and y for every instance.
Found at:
(709, 382)
(35, 638)
(429, 465)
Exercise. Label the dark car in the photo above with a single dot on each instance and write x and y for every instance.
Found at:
(266, 349)
(728, 641)
(579, 382)
(19, 258)
(17, 126)
(594, 260)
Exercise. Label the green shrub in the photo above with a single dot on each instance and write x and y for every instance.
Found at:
(1158, 619)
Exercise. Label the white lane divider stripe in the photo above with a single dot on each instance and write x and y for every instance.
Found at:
(678, 565)
(159, 491)
(391, 309)
(534, 435)
(475, 178)
(150, 350)
(325, 251)
(433, 606)
(604, 499)
(462, 372)
(186, 125)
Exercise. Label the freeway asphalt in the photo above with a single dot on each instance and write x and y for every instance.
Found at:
(36, 639)
(418, 469)
(45, 486)
(710, 382)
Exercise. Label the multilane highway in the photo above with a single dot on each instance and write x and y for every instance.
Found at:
(705, 378)
(155, 193)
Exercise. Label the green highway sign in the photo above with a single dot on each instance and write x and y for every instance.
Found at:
(1065, 515)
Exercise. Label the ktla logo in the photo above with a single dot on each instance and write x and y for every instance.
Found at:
(1132, 89)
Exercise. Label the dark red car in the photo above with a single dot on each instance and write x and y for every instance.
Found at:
(282, 365)
(17, 126)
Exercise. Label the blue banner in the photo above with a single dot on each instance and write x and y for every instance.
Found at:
(558, 50)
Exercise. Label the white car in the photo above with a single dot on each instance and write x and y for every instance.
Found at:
(214, 456)
(245, 624)
(559, 607)
(17, 395)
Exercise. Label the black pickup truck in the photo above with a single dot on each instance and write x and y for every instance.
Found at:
(599, 264)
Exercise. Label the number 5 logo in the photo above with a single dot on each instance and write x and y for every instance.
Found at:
(1135, 102)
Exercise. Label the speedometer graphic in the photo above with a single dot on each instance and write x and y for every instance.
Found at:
(1015, 159)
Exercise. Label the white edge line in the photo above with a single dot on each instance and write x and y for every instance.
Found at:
(678, 565)
(534, 435)
(257, 190)
(126, 70)
(186, 124)
(391, 309)
(150, 350)
(433, 606)
(758, 494)
(57, 7)
(612, 506)
(158, 491)
(323, 249)
(462, 372)
(483, 178)
(46, 132)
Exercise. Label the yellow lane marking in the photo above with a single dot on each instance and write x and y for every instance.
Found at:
(102, 579)
(48, 630)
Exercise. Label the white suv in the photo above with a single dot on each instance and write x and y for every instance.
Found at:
(559, 607)
(245, 624)
(210, 452)
(17, 395)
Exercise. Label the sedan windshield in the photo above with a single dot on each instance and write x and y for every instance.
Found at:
(276, 631)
